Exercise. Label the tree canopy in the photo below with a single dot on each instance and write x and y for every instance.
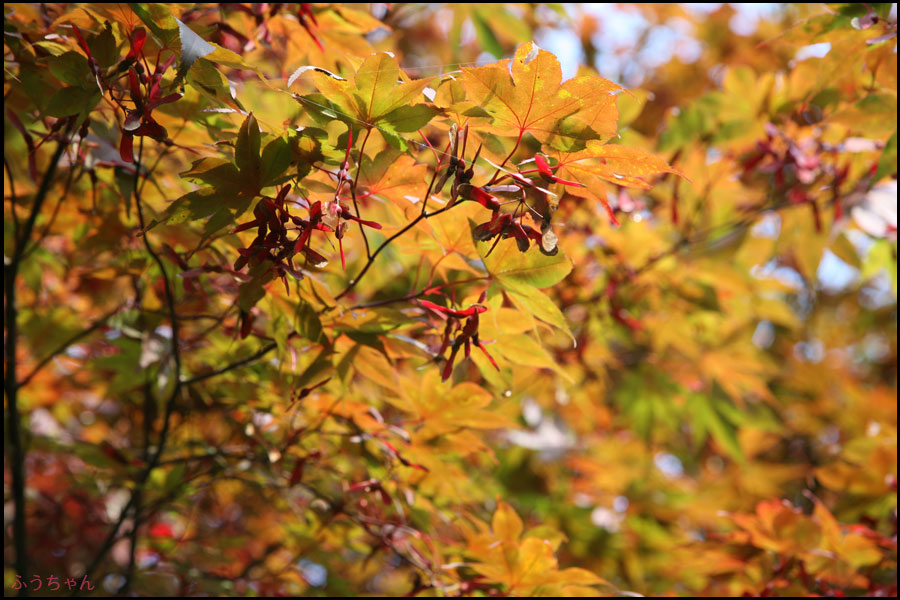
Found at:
(450, 300)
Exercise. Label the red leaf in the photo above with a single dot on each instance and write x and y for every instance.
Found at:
(448, 368)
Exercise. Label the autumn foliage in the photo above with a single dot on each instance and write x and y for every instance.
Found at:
(342, 299)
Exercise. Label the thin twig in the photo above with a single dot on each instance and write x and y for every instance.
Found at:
(62, 347)
(413, 295)
(133, 542)
(387, 242)
(46, 228)
(235, 365)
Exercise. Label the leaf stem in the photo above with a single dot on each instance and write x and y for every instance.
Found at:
(362, 231)
(509, 156)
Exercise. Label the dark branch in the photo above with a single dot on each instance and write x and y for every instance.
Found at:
(10, 385)
(231, 367)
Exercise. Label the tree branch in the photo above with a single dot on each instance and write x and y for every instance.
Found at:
(231, 367)
(10, 385)
(170, 403)
(413, 295)
(384, 244)
(12, 197)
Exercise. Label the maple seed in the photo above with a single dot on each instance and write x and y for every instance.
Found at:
(467, 336)
(481, 197)
(546, 172)
(307, 13)
(140, 121)
(138, 38)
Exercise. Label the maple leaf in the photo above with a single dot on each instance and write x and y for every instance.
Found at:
(598, 162)
(521, 563)
(621, 165)
(393, 176)
(664, 414)
(532, 98)
(441, 410)
(378, 95)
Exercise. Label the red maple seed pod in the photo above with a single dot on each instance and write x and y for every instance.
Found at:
(483, 198)
(138, 38)
(304, 13)
(486, 353)
(611, 214)
(245, 226)
(446, 339)
(448, 368)
(547, 173)
(468, 312)
(362, 485)
(81, 42)
(136, 95)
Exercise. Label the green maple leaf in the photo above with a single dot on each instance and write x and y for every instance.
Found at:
(529, 96)
(377, 95)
